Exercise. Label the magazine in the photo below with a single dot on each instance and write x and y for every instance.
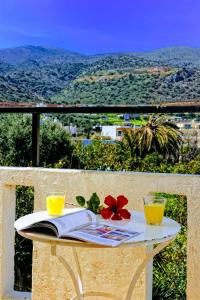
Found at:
(78, 224)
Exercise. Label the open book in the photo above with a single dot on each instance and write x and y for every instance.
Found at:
(78, 224)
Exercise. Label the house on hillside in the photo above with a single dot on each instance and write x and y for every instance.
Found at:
(184, 125)
(191, 132)
(187, 124)
(195, 124)
(120, 132)
(115, 132)
(109, 131)
(71, 129)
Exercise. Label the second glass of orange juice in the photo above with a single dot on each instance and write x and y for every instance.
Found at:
(55, 202)
(154, 207)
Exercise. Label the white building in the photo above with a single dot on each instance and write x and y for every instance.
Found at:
(71, 129)
(184, 125)
(187, 124)
(115, 132)
(110, 131)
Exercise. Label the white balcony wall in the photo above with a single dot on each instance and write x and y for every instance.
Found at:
(109, 270)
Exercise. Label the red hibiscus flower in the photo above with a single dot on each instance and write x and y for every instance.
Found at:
(115, 209)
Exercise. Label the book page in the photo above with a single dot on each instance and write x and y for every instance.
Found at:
(102, 234)
(67, 223)
(36, 217)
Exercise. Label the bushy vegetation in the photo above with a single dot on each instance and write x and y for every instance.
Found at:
(177, 56)
(132, 86)
(23, 246)
(36, 83)
(52, 75)
(169, 273)
(16, 142)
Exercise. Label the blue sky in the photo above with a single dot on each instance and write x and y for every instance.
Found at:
(97, 26)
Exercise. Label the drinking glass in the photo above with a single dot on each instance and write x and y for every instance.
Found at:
(154, 207)
(55, 202)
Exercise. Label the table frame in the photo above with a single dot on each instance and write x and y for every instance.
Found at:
(77, 279)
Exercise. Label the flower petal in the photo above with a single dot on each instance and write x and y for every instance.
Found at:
(121, 201)
(116, 216)
(106, 213)
(124, 213)
(110, 201)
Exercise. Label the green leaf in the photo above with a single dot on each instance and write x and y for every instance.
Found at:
(95, 199)
(80, 200)
(93, 203)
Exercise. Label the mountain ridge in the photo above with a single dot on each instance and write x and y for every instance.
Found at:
(53, 75)
(47, 54)
(177, 55)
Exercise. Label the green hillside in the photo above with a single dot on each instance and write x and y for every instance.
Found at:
(38, 83)
(59, 76)
(177, 56)
(132, 86)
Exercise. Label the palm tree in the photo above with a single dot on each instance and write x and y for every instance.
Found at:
(130, 142)
(128, 150)
(159, 135)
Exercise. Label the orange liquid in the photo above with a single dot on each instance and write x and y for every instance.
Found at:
(55, 205)
(154, 213)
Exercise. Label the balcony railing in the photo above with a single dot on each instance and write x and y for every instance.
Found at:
(191, 106)
(102, 269)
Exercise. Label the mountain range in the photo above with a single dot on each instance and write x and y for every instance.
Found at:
(53, 75)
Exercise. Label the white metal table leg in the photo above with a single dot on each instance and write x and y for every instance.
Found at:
(78, 269)
(141, 267)
(75, 279)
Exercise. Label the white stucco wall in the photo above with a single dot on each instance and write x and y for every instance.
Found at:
(109, 269)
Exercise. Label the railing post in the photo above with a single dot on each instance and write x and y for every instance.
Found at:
(35, 139)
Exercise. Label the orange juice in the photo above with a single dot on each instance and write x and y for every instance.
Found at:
(154, 213)
(55, 205)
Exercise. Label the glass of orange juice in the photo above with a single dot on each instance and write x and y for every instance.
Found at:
(55, 202)
(154, 207)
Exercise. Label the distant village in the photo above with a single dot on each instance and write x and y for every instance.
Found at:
(112, 133)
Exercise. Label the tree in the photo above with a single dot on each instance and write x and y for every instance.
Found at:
(55, 145)
(16, 143)
(159, 135)
(130, 141)
(15, 140)
(98, 155)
